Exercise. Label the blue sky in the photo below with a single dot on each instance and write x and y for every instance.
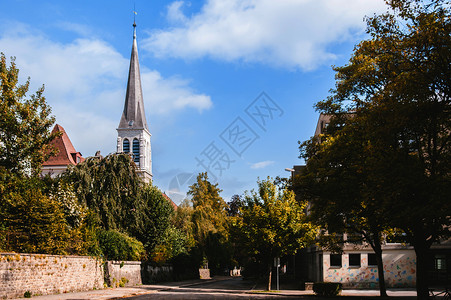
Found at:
(229, 83)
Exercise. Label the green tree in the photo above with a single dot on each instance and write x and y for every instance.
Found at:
(342, 183)
(110, 187)
(182, 220)
(24, 123)
(156, 214)
(397, 86)
(273, 224)
(209, 221)
(30, 221)
(234, 205)
(174, 243)
(120, 200)
(116, 245)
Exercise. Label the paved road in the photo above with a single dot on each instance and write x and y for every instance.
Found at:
(216, 288)
(237, 288)
(233, 288)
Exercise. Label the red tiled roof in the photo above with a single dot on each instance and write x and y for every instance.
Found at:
(170, 200)
(67, 154)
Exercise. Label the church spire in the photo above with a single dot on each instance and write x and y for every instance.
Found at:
(133, 116)
(133, 134)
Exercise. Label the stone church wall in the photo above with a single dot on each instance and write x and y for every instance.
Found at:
(48, 274)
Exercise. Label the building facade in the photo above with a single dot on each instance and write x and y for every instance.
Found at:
(133, 132)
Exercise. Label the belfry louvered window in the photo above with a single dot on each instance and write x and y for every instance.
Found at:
(126, 146)
(136, 150)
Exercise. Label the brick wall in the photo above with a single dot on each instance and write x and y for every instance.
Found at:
(48, 274)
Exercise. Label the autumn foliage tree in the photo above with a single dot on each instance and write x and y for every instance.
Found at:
(272, 224)
(24, 123)
(394, 97)
(30, 220)
(209, 222)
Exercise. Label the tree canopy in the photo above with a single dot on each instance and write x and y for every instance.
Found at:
(389, 136)
(209, 222)
(24, 123)
(120, 200)
(273, 224)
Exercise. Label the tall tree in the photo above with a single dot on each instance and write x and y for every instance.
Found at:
(397, 85)
(344, 186)
(273, 224)
(24, 123)
(209, 221)
(120, 199)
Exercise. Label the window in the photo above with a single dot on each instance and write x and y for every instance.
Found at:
(372, 259)
(440, 262)
(335, 260)
(136, 150)
(126, 146)
(354, 260)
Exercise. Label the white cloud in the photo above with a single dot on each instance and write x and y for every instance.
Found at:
(80, 29)
(169, 94)
(290, 33)
(85, 82)
(175, 14)
(262, 164)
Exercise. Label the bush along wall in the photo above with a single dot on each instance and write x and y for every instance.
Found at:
(327, 288)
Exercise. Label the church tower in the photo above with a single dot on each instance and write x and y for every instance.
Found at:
(133, 135)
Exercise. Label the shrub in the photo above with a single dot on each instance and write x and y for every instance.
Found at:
(27, 294)
(123, 282)
(327, 288)
(119, 246)
(32, 222)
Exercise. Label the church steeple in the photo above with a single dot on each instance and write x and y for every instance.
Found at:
(133, 115)
(133, 133)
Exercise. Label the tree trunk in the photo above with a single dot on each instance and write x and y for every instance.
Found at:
(374, 239)
(421, 250)
(380, 269)
(269, 276)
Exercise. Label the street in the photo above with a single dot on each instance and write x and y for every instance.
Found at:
(237, 288)
(232, 288)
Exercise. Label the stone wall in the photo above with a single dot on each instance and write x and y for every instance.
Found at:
(152, 274)
(123, 273)
(48, 274)
(204, 274)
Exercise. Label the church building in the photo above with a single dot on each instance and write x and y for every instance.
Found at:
(133, 132)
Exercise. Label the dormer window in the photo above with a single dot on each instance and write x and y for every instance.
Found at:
(136, 150)
(126, 146)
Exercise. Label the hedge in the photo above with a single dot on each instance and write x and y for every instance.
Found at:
(327, 288)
